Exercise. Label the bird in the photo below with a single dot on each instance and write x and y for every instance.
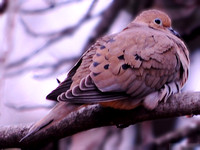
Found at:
(143, 64)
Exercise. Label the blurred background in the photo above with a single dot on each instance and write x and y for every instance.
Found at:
(41, 40)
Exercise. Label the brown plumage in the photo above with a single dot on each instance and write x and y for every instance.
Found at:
(143, 64)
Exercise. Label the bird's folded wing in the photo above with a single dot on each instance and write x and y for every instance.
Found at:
(79, 72)
(65, 85)
(133, 63)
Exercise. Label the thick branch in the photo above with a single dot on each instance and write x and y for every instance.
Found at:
(94, 116)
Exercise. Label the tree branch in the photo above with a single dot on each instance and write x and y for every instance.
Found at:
(94, 116)
(49, 7)
(107, 18)
(53, 67)
(108, 15)
(53, 37)
(177, 135)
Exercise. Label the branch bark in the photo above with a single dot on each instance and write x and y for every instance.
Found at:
(94, 116)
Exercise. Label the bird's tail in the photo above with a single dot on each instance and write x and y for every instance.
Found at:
(61, 110)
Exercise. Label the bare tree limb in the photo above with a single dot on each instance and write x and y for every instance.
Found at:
(51, 66)
(177, 135)
(50, 7)
(13, 133)
(29, 107)
(66, 31)
(107, 15)
(50, 42)
(54, 37)
(3, 6)
(107, 18)
(94, 116)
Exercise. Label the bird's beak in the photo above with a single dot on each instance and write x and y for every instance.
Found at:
(174, 32)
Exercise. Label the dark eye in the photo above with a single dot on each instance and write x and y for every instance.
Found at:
(158, 21)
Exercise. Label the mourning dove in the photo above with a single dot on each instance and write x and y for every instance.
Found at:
(141, 65)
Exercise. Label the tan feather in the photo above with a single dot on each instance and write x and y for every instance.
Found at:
(143, 64)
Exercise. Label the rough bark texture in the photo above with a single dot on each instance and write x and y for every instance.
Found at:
(94, 116)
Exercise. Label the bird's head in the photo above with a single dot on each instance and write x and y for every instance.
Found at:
(157, 20)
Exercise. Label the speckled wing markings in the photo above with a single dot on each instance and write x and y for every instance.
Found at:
(133, 63)
(143, 64)
(78, 87)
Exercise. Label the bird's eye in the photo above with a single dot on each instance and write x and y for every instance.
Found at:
(158, 21)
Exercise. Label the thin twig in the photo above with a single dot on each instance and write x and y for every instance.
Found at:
(28, 107)
(53, 67)
(65, 31)
(49, 8)
(55, 37)
(176, 135)
(34, 53)
(107, 18)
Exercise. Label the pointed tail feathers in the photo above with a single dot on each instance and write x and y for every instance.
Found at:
(61, 110)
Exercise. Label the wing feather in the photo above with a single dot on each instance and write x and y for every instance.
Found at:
(121, 66)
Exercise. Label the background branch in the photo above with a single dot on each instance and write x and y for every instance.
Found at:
(53, 67)
(49, 7)
(107, 18)
(52, 37)
(94, 116)
(177, 135)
